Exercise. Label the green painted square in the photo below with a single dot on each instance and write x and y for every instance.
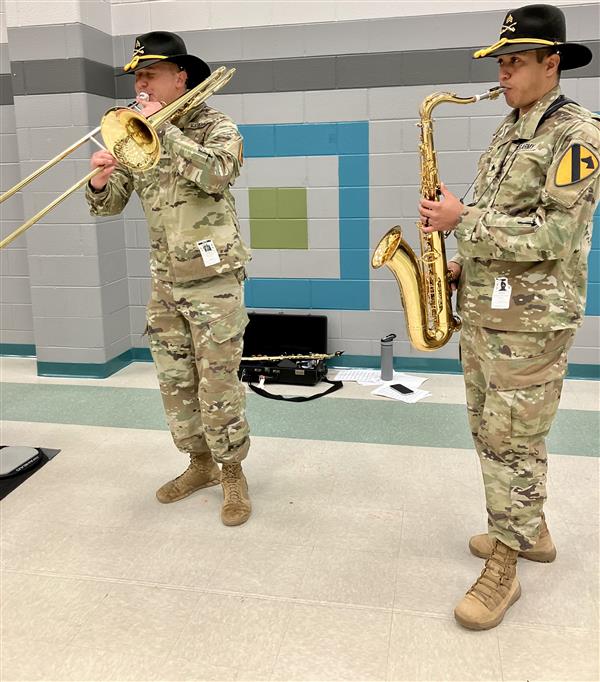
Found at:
(263, 202)
(278, 233)
(291, 202)
(278, 218)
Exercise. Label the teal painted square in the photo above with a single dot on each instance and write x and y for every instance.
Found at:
(350, 142)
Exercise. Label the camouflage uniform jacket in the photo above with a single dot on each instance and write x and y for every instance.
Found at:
(531, 221)
(186, 197)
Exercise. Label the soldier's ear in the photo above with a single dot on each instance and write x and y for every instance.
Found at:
(182, 78)
(553, 63)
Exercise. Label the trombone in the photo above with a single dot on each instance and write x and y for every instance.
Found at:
(129, 137)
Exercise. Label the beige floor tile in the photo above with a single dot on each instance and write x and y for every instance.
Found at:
(568, 477)
(29, 659)
(290, 470)
(553, 595)
(436, 480)
(47, 609)
(431, 585)
(120, 554)
(350, 577)
(579, 394)
(270, 570)
(253, 676)
(432, 649)
(278, 522)
(584, 542)
(137, 620)
(234, 632)
(439, 535)
(82, 664)
(334, 643)
(549, 654)
(407, 478)
(349, 527)
(30, 546)
(194, 670)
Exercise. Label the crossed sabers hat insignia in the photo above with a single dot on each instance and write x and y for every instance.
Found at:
(510, 24)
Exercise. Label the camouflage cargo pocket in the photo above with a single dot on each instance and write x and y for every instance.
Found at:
(228, 326)
(529, 389)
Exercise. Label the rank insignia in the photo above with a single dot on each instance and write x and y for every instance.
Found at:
(576, 164)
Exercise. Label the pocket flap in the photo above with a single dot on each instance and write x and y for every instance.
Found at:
(228, 326)
(508, 375)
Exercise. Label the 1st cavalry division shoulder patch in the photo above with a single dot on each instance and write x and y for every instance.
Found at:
(577, 163)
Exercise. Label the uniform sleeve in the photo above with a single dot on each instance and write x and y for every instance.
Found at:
(214, 165)
(550, 231)
(114, 197)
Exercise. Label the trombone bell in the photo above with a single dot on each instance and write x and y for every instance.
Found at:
(130, 139)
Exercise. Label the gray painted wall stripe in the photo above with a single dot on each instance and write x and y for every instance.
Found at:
(6, 92)
(388, 34)
(63, 75)
(390, 69)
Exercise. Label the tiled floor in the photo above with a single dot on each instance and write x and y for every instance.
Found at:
(348, 569)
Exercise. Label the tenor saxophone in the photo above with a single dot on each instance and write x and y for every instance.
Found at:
(424, 282)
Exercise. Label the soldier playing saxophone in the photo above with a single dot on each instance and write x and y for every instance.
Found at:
(522, 263)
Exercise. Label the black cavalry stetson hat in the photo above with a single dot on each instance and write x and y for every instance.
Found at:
(535, 26)
(158, 46)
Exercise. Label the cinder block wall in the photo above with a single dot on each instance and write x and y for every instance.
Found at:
(16, 320)
(327, 100)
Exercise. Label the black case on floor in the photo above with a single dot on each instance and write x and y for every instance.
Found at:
(283, 334)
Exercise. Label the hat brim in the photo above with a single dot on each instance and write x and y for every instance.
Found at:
(196, 68)
(572, 55)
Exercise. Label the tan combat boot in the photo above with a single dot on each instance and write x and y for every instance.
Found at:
(496, 589)
(544, 550)
(201, 473)
(236, 501)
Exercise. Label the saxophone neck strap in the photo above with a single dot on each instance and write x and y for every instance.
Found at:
(559, 102)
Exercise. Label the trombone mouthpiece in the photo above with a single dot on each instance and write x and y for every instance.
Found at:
(135, 105)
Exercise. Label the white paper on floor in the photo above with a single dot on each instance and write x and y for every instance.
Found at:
(372, 377)
(387, 392)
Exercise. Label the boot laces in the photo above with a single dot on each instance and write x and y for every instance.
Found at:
(494, 576)
(231, 478)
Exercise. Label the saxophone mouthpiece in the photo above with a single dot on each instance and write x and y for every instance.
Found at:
(493, 93)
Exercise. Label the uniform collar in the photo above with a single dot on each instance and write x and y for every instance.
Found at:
(524, 128)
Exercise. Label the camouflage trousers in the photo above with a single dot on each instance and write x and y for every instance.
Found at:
(195, 331)
(513, 384)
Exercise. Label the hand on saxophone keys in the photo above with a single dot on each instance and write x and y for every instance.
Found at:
(442, 215)
(454, 271)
